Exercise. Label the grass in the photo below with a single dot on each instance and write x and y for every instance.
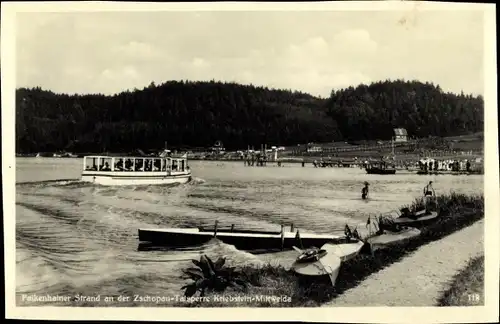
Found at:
(456, 212)
(467, 287)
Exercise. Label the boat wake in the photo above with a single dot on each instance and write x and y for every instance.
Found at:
(195, 181)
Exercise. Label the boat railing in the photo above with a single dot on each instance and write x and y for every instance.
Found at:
(135, 164)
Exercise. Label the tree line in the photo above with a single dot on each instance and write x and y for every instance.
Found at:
(190, 114)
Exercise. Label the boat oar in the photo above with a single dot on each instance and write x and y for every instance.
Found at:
(297, 236)
(282, 237)
(215, 229)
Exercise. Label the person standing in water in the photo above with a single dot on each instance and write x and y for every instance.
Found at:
(364, 191)
(429, 193)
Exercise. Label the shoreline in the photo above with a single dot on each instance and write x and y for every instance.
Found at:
(459, 213)
(348, 163)
(425, 273)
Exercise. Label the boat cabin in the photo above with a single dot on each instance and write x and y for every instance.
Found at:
(134, 164)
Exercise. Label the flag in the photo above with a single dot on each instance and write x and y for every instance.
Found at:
(368, 222)
(356, 234)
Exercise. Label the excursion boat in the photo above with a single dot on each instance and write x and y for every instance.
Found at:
(380, 167)
(131, 170)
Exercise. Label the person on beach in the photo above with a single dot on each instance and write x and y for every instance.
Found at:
(429, 193)
(364, 191)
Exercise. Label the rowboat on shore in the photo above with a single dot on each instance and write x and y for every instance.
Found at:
(327, 260)
(415, 218)
(247, 240)
(131, 170)
(386, 238)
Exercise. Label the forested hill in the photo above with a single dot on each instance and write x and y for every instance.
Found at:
(195, 114)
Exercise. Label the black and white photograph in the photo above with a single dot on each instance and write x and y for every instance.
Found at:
(224, 158)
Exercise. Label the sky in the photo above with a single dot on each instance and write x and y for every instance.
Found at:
(309, 51)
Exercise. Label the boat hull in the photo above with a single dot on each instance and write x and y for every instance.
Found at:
(408, 220)
(243, 241)
(134, 178)
(382, 241)
(331, 262)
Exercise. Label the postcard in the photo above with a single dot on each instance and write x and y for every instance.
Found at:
(314, 161)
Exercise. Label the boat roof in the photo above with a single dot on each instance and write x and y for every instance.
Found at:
(135, 157)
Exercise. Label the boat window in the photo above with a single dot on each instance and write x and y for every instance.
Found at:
(138, 165)
(156, 165)
(182, 165)
(105, 164)
(128, 165)
(148, 165)
(174, 165)
(119, 165)
(91, 165)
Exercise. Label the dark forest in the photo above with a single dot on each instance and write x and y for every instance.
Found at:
(196, 114)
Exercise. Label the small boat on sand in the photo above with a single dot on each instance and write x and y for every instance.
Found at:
(388, 237)
(247, 240)
(326, 260)
(415, 218)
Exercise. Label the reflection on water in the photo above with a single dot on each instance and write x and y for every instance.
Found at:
(74, 238)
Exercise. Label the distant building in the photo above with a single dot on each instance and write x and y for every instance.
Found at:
(314, 148)
(218, 147)
(400, 135)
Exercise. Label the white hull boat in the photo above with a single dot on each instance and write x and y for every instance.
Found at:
(123, 171)
(419, 217)
(327, 260)
(381, 241)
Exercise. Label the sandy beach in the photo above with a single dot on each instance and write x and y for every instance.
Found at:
(419, 279)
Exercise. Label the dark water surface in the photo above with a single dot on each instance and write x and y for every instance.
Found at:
(74, 238)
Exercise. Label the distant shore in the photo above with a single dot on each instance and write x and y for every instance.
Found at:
(338, 161)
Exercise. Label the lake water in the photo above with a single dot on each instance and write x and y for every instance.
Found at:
(74, 238)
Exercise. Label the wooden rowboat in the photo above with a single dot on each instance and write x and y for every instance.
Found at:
(384, 240)
(419, 217)
(247, 240)
(326, 260)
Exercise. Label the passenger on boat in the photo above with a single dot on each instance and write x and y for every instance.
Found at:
(119, 165)
(364, 191)
(105, 167)
(128, 165)
(429, 193)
